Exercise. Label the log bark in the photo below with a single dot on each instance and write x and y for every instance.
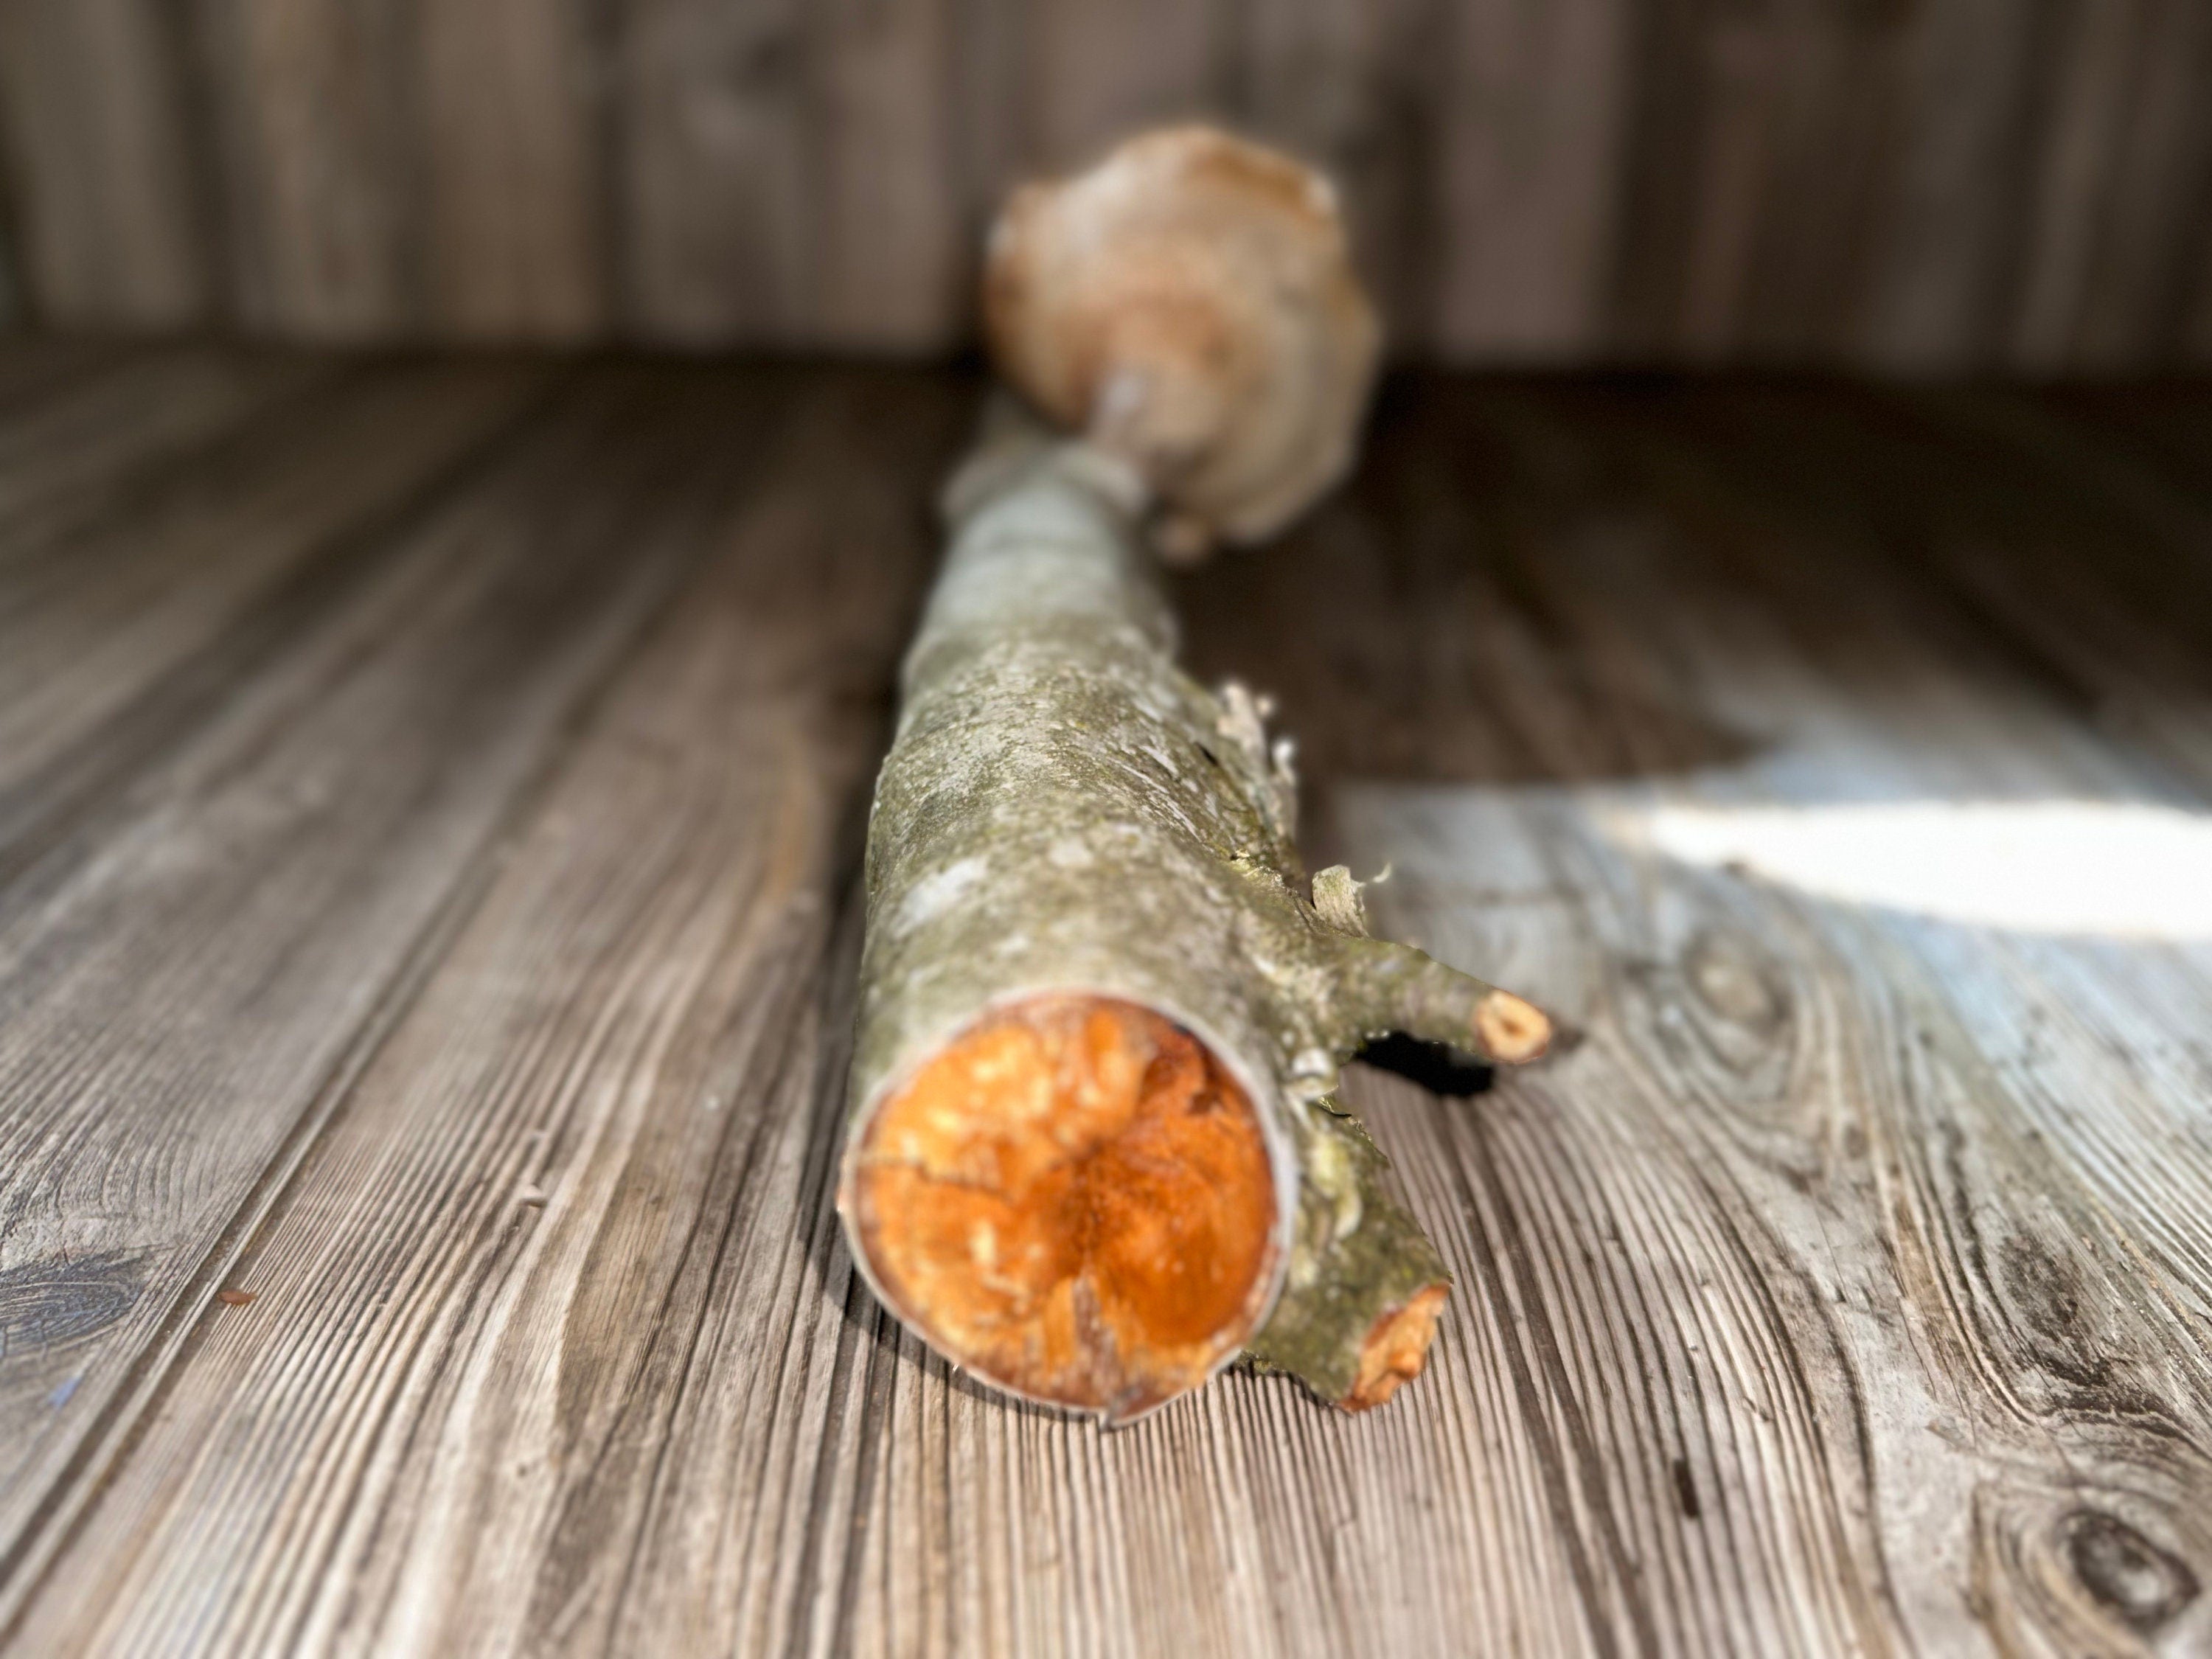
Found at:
(1065, 819)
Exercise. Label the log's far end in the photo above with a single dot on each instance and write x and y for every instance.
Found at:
(1073, 1200)
(1189, 306)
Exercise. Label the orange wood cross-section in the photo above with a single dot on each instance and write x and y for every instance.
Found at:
(1072, 1198)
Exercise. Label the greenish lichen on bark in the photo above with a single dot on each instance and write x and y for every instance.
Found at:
(1064, 811)
(1359, 1255)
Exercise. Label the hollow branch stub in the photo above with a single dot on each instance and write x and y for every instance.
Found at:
(1365, 1285)
(1384, 988)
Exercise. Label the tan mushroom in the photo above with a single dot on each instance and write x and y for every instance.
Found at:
(1188, 305)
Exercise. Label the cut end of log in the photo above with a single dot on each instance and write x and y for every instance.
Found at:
(1396, 1350)
(1512, 1031)
(1074, 1200)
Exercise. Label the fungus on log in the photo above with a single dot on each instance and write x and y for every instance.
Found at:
(1189, 306)
(1094, 1151)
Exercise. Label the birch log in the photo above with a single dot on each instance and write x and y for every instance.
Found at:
(1095, 1151)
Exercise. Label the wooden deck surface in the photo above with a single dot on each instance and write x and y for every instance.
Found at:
(429, 799)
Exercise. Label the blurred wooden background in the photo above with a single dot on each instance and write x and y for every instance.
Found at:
(1914, 185)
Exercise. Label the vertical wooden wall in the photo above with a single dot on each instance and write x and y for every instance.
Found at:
(1920, 185)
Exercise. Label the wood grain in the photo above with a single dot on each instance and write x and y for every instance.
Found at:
(1957, 184)
(533, 1366)
(788, 174)
(127, 620)
(709, 133)
(1530, 136)
(64, 451)
(897, 252)
(312, 828)
(1844, 1291)
(514, 202)
(1969, 1077)
(33, 364)
(1941, 280)
(315, 142)
(1092, 74)
(2127, 139)
(110, 224)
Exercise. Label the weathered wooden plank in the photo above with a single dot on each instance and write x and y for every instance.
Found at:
(530, 1275)
(514, 204)
(1759, 178)
(2110, 237)
(1831, 181)
(2163, 427)
(2058, 549)
(2150, 231)
(1791, 1029)
(1528, 142)
(1095, 76)
(1422, 656)
(2091, 569)
(65, 448)
(313, 103)
(1943, 1187)
(710, 105)
(1944, 278)
(108, 221)
(1844, 1291)
(2193, 351)
(121, 625)
(188, 1001)
(789, 176)
(2090, 85)
(896, 244)
(1803, 1250)
(32, 365)
(1661, 168)
(1961, 184)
